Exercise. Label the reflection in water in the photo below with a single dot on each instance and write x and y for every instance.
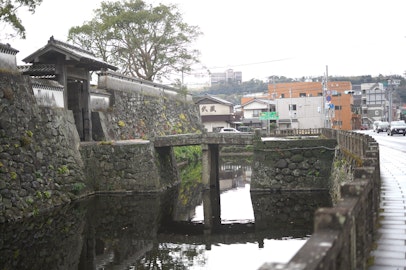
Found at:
(175, 230)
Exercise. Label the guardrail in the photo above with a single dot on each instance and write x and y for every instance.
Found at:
(343, 234)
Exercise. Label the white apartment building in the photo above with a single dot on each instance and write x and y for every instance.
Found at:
(300, 113)
(229, 76)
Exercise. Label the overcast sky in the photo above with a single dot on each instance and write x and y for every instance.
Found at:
(291, 38)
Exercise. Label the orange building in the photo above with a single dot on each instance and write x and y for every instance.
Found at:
(338, 113)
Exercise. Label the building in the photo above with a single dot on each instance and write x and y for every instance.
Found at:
(229, 76)
(335, 106)
(69, 68)
(217, 113)
(8, 59)
(252, 111)
(374, 103)
(300, 112)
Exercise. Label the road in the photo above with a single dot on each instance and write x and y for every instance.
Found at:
(396, 142)
(391, 243)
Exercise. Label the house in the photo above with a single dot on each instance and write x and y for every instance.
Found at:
(374, 103)
(252, 112)
(217, 113)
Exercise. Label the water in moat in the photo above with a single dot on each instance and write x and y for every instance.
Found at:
(184, 228)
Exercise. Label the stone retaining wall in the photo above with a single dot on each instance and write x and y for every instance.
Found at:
(299, 164)
(137, 113)
(40, 165)
(43, 163)
(123, 166)
(343, 234)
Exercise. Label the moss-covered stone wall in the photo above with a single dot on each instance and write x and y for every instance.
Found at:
(135, 114)
(299, 164)
(40, 165)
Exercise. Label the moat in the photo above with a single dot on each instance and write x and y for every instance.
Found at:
(166, 231)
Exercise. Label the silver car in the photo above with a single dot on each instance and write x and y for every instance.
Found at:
(397, 127)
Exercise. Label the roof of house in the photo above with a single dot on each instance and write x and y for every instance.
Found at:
(214, 100)
(79, 56)
(259, 100)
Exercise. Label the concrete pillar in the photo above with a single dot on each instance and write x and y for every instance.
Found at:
(205, 166)
(214, 165)
(210, 165)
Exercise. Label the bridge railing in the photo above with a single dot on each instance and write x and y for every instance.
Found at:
(296, 132)
(343, 234)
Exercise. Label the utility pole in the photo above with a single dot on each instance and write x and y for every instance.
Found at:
(325, 110)
(291, 107)
(392, 84)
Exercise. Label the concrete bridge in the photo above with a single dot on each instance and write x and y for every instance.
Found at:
(206, 138)
(210, 143)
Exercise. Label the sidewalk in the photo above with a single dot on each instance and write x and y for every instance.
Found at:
(391, 244)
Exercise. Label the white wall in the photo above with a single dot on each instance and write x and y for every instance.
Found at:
(249, 109)
(308, 111)
(48, 97)
(214, 109)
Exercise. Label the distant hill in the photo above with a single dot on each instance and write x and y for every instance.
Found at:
(233, 92)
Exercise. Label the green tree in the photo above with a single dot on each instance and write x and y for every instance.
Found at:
(8, 13)
(143, 40)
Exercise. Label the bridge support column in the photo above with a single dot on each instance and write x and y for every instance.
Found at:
(210, 165)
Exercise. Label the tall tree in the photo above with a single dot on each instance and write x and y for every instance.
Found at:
(8, 13)
(143, 40)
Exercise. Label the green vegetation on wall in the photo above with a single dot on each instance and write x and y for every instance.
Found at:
(188, 154)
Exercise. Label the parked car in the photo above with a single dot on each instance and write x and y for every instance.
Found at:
(397, 127)
(382, 127)
(229, 130)
(244, 129)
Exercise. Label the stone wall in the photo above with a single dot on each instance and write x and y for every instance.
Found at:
(343, 234)
(135, 112)
(40, 165)
(127, 166)
(298, 164)
(43, 164)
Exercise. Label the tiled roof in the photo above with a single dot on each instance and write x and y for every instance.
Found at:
(215, 99)
(38, 69)
(263, 101)
(75, 53)
(46, 84)
(6, 48)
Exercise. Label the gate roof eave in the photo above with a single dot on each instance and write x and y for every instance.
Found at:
(73, 54)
